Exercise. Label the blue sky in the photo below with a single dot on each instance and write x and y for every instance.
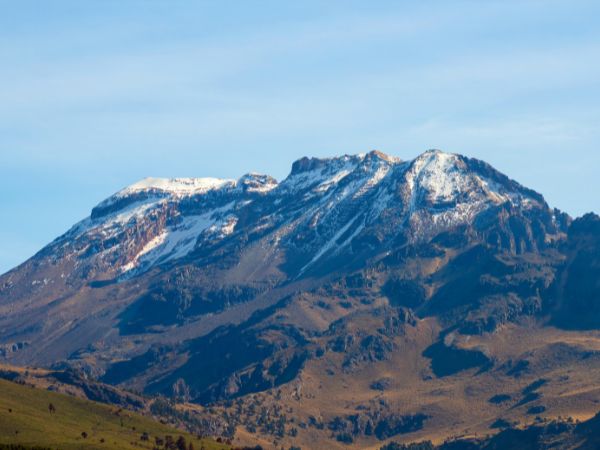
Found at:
(95, 95)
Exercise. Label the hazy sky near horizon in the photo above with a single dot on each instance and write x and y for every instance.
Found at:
(95, 95)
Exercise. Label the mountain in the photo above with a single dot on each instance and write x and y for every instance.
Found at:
(360, 299)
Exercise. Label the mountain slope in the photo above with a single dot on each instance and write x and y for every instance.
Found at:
(25, 419)
(562, 433)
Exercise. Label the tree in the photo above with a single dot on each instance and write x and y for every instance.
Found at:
(181, 444)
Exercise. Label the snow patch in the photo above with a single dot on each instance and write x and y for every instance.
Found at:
(325, 185)
(180, 186)
(177, 241)
(328, 245)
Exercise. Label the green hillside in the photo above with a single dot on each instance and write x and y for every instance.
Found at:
(25, 419)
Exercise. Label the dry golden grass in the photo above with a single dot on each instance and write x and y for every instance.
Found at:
(459, 404)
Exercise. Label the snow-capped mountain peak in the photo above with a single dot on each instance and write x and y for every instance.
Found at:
(324, 208)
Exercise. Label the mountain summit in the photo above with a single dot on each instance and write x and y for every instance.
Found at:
(353, 276)
(324, 208)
